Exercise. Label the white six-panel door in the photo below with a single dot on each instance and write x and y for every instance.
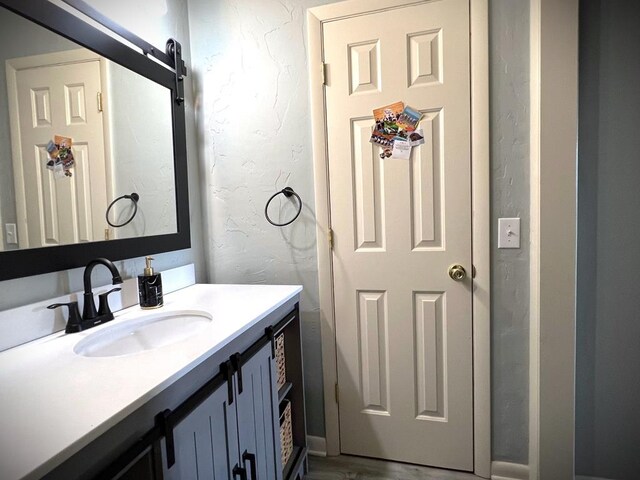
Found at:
(48, 100)
(403, 326)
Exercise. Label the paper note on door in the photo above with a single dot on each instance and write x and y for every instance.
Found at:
(397, 123)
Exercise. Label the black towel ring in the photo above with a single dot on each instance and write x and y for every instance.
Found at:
(134, 197)
(287, 192)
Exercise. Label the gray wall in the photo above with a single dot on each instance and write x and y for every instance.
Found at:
(140, 119)
(249, 60)
(509, 93)
(254, 126)
(155, 26)
(608, 304)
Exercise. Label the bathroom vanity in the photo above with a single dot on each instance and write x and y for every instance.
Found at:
(171, 393)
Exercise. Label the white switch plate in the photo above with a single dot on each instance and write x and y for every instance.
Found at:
(12, 235)
(508, 233)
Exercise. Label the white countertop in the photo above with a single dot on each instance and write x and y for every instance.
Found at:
(54, 402)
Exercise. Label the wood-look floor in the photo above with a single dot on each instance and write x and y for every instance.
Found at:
(345, 467)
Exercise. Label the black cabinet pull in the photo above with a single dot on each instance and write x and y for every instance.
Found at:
(270, 333)
(164, 422)
(239, 472)
(252, 464)
(227, 371)
(236, 362)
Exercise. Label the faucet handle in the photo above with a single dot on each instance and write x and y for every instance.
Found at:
(74, 323)
(103, 305)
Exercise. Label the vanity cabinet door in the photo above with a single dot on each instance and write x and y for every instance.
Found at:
(258, 427)
(206, 442)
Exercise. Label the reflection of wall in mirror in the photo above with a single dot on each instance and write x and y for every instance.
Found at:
(142, 149)
(141, 119)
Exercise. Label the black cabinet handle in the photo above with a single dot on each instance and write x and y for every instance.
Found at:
(236, 362)
(239, 472)
(227, 372)
(252, 464)
(163, 421)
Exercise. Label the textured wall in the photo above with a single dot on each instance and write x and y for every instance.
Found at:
(608, 322)
(253, 116)
(509, 90)
(140, 120)
(158, 21)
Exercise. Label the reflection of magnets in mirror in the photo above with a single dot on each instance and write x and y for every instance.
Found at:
(125, 146)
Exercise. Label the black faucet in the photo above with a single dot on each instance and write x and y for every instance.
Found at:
(89, 311)
(91, 318)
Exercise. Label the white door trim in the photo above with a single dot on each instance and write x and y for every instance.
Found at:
(12, 66)
(554, 117)
(480, 208)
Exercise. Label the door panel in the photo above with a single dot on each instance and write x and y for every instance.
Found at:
(403, 326)
(61, 100)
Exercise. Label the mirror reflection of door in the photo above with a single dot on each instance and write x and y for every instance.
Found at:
(58, 94)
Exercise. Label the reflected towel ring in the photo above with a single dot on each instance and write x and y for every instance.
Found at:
(287, 192)
(134, 197)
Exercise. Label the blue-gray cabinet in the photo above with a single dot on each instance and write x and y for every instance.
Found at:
(205, 442)
(257, 408)
(218, 421)
(234, 433)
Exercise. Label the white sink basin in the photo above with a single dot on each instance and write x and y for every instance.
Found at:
(144, 333)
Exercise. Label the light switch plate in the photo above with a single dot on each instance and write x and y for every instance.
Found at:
(508, 233)
(12, 235)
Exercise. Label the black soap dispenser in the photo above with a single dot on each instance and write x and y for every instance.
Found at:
(150, 287)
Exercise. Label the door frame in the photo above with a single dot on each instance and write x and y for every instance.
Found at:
(480, 198)
(553, 156)
(12, 66)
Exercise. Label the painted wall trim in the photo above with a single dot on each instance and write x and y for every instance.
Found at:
(509, 471)
(534, 229)
(481, 231)
(554, 108)
(480, 209)
(317, 446)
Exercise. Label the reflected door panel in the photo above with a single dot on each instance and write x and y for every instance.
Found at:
(59, 99)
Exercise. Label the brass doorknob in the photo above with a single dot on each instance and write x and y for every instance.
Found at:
(457, 272)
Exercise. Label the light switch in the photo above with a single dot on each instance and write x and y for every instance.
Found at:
(12, 235)
(508, 233)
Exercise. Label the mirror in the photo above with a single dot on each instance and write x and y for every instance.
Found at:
(94, 157)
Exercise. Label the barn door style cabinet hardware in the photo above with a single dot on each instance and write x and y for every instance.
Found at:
(227, 424)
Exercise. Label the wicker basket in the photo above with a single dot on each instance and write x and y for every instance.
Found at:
(286, 435)
(280, 361)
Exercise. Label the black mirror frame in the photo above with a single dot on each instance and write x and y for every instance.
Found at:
(33, 261)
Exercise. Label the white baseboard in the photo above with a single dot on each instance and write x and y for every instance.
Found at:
(509, 471)
(317, 446)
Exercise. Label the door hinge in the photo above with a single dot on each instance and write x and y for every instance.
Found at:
(330, 238)
(337, 394)
(99, 101)
(324, 73)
